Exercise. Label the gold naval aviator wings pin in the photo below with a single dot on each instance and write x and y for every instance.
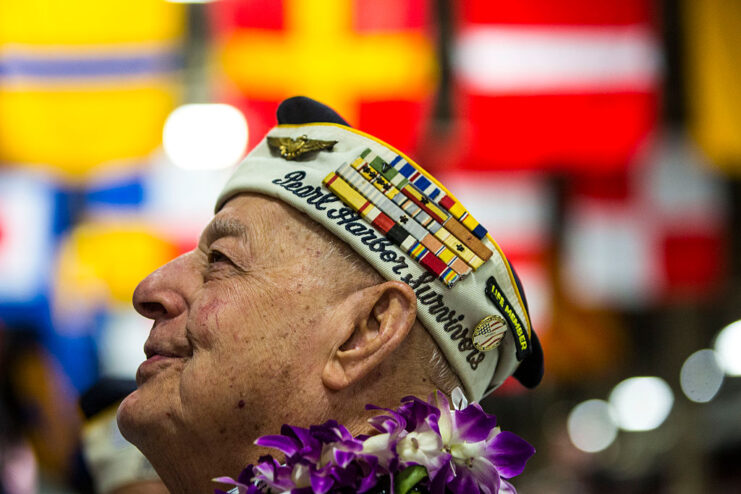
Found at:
(292, 149)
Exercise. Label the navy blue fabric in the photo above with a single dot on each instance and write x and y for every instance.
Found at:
(300, 110)
(530, 372)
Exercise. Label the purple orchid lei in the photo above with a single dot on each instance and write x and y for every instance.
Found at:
(422, 446)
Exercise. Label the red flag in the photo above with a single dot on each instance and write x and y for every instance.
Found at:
(556, 85)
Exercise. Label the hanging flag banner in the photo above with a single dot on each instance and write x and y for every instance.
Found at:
(652, 236)
(713, 47)
(86, 86)
(371, 60)
(556, 85)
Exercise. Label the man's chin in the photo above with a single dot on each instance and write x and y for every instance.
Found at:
(141, 417)
(129, 417)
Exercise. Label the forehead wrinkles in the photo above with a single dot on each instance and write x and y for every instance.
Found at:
(267, 227)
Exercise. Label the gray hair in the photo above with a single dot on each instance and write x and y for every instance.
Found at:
(442, 375)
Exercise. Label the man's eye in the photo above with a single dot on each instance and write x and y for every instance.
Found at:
(215, 256)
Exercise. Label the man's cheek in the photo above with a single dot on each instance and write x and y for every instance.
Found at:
(208, 381)
(208, 319)
(259, 300)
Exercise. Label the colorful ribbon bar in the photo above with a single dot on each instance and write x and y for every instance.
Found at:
(400, 172)
(420, 207)
(396, 233)
(413, 213)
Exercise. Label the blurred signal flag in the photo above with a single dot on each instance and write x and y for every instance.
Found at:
(652, 236)
(713, 47)
(100, 263)
(554, 84)
(86, 85)
(371, 60)
(26, 236)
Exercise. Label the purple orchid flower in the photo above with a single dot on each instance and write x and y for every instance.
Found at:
(382, 447)
(461, 449)
(294, 441)
(339, 446)
(272, 474)
(481, 453)
(422, 444)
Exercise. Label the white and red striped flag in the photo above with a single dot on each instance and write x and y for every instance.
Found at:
(554, 84)
(657, 236)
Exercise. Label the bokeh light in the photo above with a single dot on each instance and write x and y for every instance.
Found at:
(591, 426)
(641, 403)
(121, 345)
(205, 136)
(701, 376)
(728, 349)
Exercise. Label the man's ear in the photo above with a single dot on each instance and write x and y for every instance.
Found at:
(370, 324)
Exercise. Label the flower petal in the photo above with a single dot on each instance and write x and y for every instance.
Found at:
(509, 453)
(473, 424)
(445, 421)
(440, 480)
(459, 399)
(343, 458)
(320, 484)
(485, 473)
(245, 477)
(286, 445)
(417, 412)
(241, 488)
(420, 448)
(464, 484)
(382, 448)
(507, 488)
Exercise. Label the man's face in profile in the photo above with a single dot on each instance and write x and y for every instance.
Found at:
(236, 329)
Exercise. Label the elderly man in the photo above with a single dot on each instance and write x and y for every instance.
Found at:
(312, 292)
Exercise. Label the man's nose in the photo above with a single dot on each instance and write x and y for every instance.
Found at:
(164, 293)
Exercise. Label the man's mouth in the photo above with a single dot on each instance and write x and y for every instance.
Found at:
(151, 354)
(155, 363)
(157, 357)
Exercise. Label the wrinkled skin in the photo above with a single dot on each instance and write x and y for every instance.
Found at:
(236, 348)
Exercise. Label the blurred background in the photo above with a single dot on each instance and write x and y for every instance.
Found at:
(599, 142)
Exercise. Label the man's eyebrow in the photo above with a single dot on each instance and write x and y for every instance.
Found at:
(225, 227)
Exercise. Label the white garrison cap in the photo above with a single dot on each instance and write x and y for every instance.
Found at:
(409, 227)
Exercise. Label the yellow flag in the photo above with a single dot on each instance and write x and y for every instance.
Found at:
(102, 261)
(713, 47)
(86, 85)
